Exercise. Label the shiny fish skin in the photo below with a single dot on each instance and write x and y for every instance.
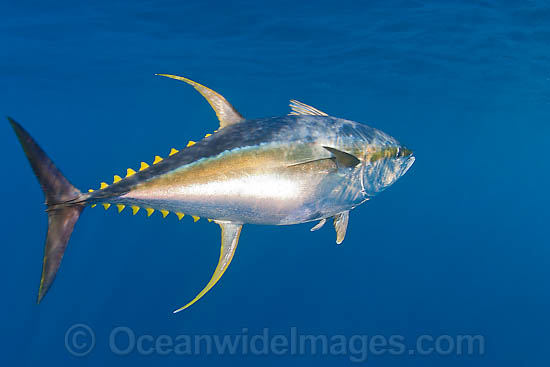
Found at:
(254, 172)
(277, 171)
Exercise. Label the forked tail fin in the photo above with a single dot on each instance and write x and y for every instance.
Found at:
(62, 215)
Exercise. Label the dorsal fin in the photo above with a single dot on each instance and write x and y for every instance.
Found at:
(299, 108)
(227, 114)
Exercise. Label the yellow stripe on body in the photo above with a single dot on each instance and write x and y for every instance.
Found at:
(130, 172)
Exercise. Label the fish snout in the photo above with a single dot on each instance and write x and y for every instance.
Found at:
(384, 167)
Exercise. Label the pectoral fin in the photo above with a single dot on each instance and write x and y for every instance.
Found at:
(343, 158)
(341, 225)
(227, 114)
(339, 159)
(230, 238)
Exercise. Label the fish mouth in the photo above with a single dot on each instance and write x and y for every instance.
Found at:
(408, 162)
(404, 152)
(379, 175)
(401, 166)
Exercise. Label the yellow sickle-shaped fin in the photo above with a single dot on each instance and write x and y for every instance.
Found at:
(227, 114)
(230, 238)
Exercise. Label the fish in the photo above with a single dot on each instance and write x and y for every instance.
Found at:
(306, 166)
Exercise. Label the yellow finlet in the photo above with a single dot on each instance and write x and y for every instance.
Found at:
(116, 178)
(106, 206)
(191, 142)
(195, 218)
(157, 159)
(91, 190)
(164, 213)
(180, 215)
(209, 220)
(135, 209)
(130, 172)
(207, 135)
(173, 151)
(103, 185)
(150, 211)
(120, 207)
(143, 166)
(94, 205)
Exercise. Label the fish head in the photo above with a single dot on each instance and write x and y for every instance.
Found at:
(383, 164)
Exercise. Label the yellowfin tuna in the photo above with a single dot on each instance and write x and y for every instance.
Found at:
(306, 166)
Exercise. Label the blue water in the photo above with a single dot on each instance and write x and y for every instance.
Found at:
(458, 246)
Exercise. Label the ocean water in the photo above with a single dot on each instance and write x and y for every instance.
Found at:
(456, 249)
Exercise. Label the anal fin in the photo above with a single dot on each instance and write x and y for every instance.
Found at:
(230, 238)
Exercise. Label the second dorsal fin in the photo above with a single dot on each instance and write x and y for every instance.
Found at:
(299, 108)
(227, 114)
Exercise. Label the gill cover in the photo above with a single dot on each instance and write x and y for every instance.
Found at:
(230, 238)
